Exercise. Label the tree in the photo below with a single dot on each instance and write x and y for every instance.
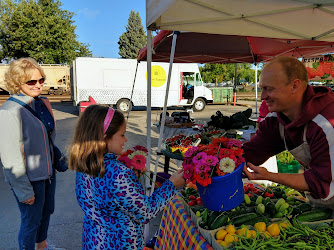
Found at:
(133, 39)
(39, 29)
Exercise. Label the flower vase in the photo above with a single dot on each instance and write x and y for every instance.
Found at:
(225, 192)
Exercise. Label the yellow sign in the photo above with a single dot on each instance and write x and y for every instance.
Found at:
(158, 75)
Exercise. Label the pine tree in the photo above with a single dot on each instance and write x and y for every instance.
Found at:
(39, 29)
(133, 39)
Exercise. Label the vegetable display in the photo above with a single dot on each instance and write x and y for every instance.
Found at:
(277, 221)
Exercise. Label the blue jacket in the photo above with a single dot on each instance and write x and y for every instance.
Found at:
(116, 207)
(24, 148)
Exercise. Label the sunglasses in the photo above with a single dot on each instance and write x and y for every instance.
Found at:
(33, 82)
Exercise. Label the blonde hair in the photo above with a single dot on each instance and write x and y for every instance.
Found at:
(19, 72)
(89, 145)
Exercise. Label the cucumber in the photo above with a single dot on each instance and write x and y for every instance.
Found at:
(205, 216)
(231, 215)
(220, 221)
(270, 209)
(212, 216)
(315, 215)
(256, 220)
(240, 219)
(304, 207)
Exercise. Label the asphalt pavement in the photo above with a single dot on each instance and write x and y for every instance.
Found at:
(66, 222)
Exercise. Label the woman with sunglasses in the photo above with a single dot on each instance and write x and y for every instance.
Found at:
(27, 129)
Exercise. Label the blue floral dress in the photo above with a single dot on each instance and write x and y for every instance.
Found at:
(116, 207)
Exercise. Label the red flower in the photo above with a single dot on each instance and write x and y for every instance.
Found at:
(138, 162)
(203, 179)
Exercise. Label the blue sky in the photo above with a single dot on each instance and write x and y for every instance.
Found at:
(100, 23)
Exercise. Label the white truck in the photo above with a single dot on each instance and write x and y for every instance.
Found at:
(110, 81)
(57, 78)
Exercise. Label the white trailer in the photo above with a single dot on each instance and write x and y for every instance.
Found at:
(110, 81)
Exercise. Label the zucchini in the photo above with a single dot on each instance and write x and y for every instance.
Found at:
(270, 209)
(315, 215)
(220, 221)
(231, 215)
(240, 219)
(212, 216)
(256, 220)
(205, 216)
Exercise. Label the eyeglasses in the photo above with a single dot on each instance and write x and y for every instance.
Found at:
(33, 82)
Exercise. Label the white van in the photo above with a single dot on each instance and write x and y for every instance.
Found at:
(110, 81)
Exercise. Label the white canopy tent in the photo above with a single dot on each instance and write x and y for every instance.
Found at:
(292, 19)
(287, 19)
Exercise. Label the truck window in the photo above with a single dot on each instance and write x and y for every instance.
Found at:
(198, 80)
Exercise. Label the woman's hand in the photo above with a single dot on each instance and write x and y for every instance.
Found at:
(30, 201)
(259, 173)
(178, 179)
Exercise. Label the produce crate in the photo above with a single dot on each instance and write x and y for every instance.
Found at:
(288, 168)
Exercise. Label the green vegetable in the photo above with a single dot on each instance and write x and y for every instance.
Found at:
(270, 209)
(198, 214)
(301, 208)
(220, 221)
(260, 208)
(279, 203)
(205, 216)
(266, 200)
(283, 207)
(240, 219)
(247, 199)
(259, 200)
(231, 215)
(315, 215)
(256, 220)
(211, 217)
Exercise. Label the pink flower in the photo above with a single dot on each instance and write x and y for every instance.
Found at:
(210, 160)
(190, 152)
(202, 168)
(124, 159)
(188, 171)
(234, 143)
(138, 162)
(198, 158)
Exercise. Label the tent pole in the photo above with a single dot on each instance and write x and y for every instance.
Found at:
(148, 132)
(133, 87)
(162, 125)
(256, 91)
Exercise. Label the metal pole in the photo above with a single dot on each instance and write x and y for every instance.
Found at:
(148, 132)
(256, 91)
(162, 125)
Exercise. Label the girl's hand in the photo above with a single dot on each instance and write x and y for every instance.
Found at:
(178, 179)
(259, 173)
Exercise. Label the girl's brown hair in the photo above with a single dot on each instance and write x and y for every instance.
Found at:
(89, 144)
(19, 72)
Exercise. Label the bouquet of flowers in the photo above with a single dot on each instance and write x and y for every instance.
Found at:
(220, 157)
(135, 159)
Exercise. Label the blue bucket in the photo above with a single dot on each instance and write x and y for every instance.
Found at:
(225, 192)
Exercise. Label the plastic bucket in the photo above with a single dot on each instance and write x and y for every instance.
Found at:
(225, 192)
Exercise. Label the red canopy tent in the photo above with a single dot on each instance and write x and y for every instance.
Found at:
(213, 48)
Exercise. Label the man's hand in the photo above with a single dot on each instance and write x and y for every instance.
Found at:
(30, 201)
(259, 173)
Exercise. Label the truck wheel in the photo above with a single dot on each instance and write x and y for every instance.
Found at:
(123, 105)
(199, 105)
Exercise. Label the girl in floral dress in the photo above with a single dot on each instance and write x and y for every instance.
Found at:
(108, 192)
